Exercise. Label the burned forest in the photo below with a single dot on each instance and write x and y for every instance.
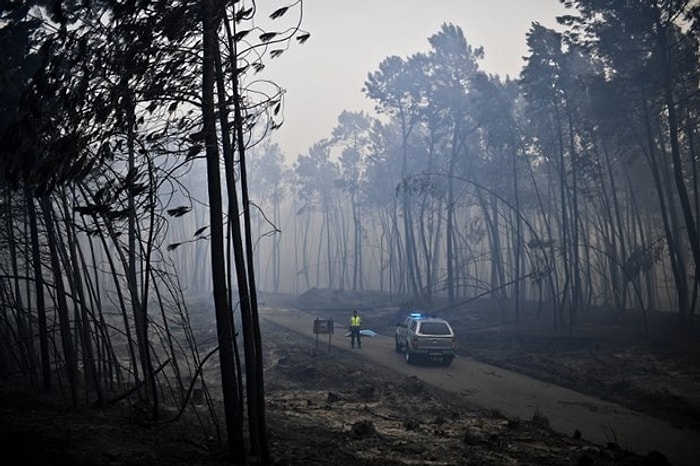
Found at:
(155, 237)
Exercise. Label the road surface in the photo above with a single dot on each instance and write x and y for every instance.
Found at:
(516, 395)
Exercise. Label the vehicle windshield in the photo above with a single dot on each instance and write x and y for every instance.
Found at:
(434, 328)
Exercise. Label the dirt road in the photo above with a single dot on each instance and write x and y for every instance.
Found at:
(516, 395)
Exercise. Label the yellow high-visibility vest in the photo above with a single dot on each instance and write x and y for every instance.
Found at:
(355, 321)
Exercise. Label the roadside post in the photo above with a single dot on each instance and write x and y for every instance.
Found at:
(323, 327)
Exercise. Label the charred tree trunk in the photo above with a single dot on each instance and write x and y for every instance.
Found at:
(224, 319)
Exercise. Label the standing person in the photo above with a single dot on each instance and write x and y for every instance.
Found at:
(355, 322)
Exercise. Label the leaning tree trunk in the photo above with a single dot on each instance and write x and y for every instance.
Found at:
(21, 315)
(224, 321)
(69, 353)
(678, 174)
(244, 293)
(89, 360)
(39, 288)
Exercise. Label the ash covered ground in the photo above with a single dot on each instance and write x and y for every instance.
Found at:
(337, 409)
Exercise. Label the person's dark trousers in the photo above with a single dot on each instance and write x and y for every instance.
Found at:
(355, 335)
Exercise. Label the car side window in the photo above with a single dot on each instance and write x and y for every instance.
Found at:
(413, 325)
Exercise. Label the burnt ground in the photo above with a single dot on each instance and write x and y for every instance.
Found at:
(339, 410)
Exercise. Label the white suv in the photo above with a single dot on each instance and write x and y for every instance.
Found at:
(421, 336)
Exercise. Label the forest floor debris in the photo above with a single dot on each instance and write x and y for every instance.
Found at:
(342, 410)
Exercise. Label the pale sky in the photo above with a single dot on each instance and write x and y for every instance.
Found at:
(349, 38)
